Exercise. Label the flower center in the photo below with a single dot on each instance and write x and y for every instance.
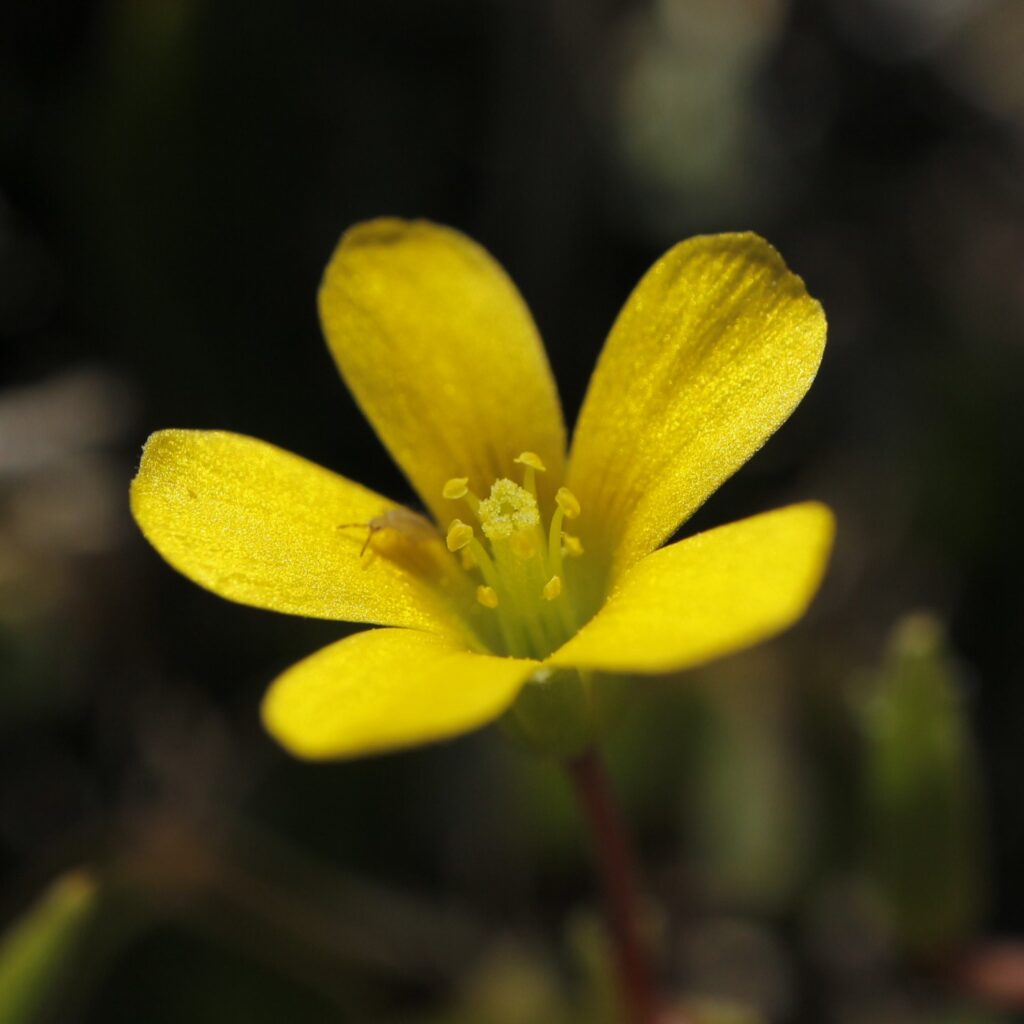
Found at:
(510, 510)
(519, 564)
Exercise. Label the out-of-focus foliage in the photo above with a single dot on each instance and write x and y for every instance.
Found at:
(922, 792)
(39, 949)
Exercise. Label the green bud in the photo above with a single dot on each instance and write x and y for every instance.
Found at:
(922, 793)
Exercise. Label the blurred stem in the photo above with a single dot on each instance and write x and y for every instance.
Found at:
(615, 863)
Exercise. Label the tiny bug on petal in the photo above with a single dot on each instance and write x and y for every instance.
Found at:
(408, 525)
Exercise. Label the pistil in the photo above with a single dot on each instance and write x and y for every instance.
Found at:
(520, 563)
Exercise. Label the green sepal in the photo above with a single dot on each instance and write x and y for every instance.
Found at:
(563, 713)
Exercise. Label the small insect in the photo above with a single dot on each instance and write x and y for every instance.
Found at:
(406, 524)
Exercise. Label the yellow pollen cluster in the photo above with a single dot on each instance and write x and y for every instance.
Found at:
(509, 510)
(519, 562)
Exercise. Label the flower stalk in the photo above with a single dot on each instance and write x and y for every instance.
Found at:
(615, 864)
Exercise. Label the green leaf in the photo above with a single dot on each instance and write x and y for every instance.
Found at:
(38, 949)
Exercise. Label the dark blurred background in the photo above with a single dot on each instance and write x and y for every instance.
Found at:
(830, 827)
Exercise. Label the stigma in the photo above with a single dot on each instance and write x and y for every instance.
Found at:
(509, 511)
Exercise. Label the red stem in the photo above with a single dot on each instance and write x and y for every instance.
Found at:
(615, 864)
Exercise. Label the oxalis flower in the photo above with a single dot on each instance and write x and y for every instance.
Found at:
(537, 578)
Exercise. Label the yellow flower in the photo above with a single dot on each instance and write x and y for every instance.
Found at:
(544, 576)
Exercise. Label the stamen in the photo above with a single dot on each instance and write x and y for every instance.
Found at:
(567, 502)
(524, 545)
(514, 554)
(533, 460)
(532, 464)
(555, 541)
(510, 629)
(457, 487)
(571, 545)
(483, 561)
(459, 535)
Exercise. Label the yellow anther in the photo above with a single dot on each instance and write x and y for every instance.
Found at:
(572, 546)
(568, 503)
(533, 460)
(487, 596)
(457, 487)
(459, 535)
(524, 545)
(468, 561)
(552, 588)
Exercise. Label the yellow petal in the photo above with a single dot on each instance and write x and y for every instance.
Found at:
(261, 526)
(387, 688)
(708, 595)
(711, 353)
(440, 352)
